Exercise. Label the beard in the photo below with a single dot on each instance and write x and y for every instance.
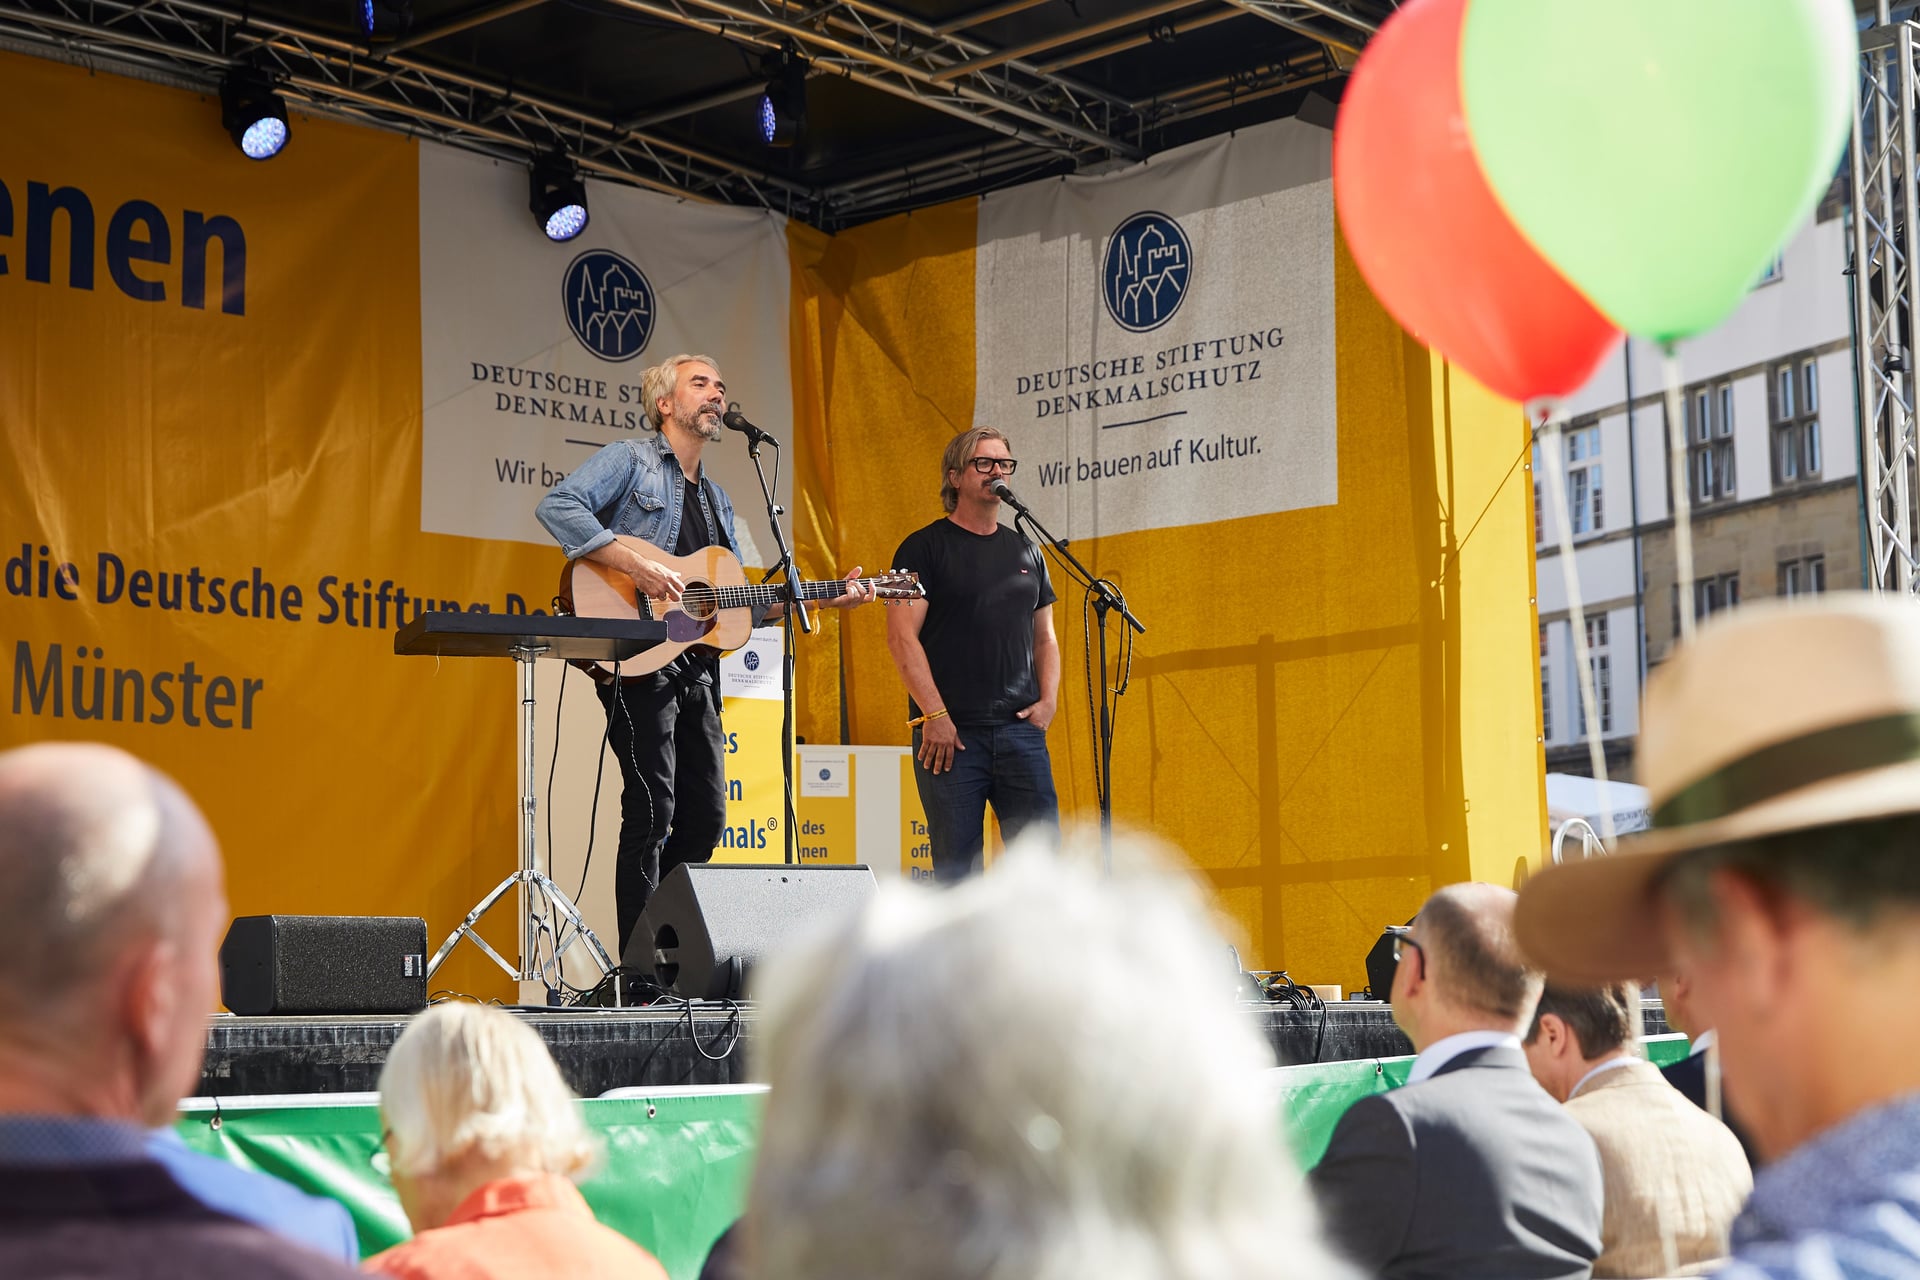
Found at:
(704, 422)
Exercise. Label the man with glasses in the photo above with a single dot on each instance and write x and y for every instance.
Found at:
(1470, 1169)
(980, 661)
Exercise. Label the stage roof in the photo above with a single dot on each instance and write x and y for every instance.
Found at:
(910, 102)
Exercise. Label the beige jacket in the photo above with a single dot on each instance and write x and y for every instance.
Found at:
(1670, 1169)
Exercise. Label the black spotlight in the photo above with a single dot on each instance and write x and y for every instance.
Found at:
(557, 197)
(253, 114)
(783, 107)
(382, 19)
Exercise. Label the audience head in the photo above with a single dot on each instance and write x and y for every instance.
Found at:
(1576, 1028)
(1039, 1073)
(1676, 999)
(1461, 969)
(1781, 875)
(470, 1095)
(112, 906)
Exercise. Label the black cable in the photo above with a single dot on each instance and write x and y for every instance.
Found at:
(732, 1028)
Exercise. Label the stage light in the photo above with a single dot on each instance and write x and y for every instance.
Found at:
(558, 198)
(253, 114)
(382, 19)
(783, 107)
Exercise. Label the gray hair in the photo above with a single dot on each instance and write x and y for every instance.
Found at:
(658, 382)
(91, 842)
(955, 456)
(1037, 1074)
(469, 1082)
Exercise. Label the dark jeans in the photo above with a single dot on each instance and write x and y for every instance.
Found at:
(1004, 765)
(665, 731)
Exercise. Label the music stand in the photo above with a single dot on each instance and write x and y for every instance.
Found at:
(525, 638)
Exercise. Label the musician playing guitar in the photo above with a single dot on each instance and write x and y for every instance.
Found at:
(664, 727)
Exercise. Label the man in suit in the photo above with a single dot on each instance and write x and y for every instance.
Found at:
(1471, 1169)
(1675, 1176)
(1689, 1075)
(112, 906)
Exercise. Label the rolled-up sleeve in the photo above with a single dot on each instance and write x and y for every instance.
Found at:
(570, 511)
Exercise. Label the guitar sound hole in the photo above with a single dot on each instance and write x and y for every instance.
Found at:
(699, 601)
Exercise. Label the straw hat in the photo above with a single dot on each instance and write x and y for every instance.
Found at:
(1782, 717)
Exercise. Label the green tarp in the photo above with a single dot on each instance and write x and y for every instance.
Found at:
(676, 1161)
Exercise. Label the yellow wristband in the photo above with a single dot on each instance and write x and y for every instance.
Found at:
(917, 721)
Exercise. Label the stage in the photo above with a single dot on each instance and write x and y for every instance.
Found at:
(659, 1046)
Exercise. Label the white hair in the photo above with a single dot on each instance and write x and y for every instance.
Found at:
(1035, 1075)
(466, 1082)
(89, 842)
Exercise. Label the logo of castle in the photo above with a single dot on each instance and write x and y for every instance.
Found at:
(1145, 277)
(609, 304)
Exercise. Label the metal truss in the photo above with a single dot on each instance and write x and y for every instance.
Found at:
(1886, 296)
(1048, 120)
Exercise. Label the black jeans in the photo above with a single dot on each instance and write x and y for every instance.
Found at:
(665, 731)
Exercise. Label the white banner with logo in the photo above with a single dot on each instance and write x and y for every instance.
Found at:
(1159, 343)
(531, 351)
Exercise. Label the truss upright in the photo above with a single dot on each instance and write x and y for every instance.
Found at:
(1886, 296)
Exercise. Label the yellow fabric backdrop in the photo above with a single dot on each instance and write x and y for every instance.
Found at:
(1335, 709)
(286, 438)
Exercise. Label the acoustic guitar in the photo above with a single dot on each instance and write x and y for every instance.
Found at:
(715, 611)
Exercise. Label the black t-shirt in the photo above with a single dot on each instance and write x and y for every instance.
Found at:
(694, 533)
(982, 593)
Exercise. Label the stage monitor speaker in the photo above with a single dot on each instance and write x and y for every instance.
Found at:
(1380, 966)
(324, 964)
(708, 923)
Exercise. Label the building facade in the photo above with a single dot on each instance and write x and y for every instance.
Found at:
(1771, 469)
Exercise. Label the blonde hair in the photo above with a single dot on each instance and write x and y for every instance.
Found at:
(657, 383)
(955, 456)
(1037, 1074)
(468, 1081)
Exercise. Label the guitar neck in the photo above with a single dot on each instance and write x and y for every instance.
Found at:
(768, 593)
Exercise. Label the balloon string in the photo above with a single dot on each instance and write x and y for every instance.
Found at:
(1551, 444)
(1682, 493)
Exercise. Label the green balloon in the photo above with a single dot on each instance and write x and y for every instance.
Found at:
(1659, 152)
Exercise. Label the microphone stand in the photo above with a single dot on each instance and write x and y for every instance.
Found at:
(796, 608)
(1106, 599)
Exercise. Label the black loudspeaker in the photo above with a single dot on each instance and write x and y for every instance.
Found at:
(1381, 964)
(709, 923)
(324, 964)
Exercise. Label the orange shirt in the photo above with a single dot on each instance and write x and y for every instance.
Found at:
(536, 1225)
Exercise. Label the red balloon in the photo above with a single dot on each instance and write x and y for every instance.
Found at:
(1431, 240)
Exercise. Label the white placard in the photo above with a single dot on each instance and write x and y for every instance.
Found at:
(531, 351)
(1159, 343)
(826, 773)
(753, 670)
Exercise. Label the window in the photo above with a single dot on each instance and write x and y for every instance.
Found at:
(1710, 443)
(1795, 392)
(1714, 594)
(1600, 664)
(1546, 688)
(1585, 507)
(1803, 577)
(1539, 518)
(1774, 270)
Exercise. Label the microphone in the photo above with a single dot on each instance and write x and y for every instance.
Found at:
(1002, 492)
(737, 421)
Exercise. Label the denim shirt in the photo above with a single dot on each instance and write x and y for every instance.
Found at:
(633, 487)
(1842, 1206)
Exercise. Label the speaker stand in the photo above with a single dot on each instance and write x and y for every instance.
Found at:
(540, 898)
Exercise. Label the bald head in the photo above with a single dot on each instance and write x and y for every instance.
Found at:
(110, 906)
(1466, 931)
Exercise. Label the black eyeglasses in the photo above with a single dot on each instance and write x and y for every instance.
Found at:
(1403, 937)
(987, 466)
